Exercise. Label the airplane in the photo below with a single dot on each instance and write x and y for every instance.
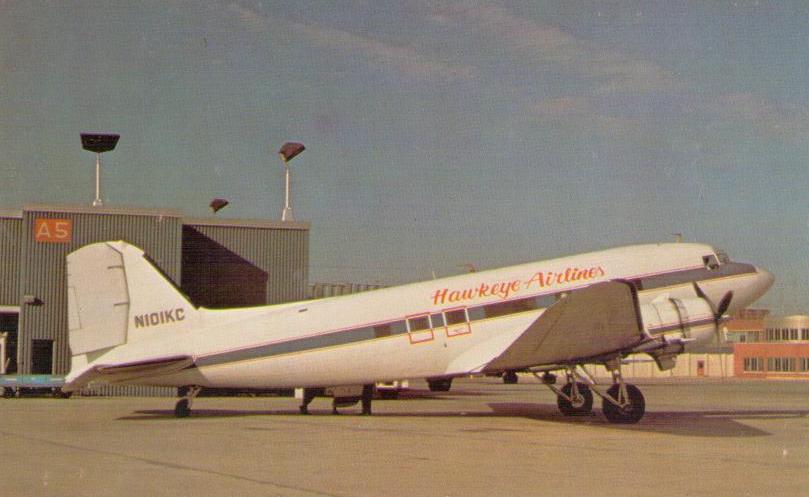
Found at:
(129, 324)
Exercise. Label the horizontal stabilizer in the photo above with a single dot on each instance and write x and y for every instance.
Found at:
(112, 373)
(594, 321)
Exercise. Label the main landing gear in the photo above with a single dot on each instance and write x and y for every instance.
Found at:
(622, 403)
(183, 407)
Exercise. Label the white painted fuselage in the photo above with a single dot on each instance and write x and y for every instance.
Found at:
(439, 328)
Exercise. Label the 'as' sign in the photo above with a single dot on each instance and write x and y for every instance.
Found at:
(53, 230)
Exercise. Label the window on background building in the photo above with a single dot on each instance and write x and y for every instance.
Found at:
(753, 364)
(804, 333)
(804, 363)
(793, 334)
(781, 364)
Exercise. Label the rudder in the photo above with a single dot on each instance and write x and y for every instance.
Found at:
(117, 296)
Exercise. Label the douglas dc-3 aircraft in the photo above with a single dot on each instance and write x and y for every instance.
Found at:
(128, 324)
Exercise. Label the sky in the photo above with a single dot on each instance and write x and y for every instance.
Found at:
(438, 133)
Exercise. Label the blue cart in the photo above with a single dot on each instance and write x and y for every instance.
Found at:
(16, 385)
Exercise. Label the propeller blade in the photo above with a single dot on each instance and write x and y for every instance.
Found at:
(723, 305)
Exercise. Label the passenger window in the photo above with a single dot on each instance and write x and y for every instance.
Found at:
(456, 317)
(476, 313)
(458, 322)
(419, 327)
(397, 328)
(382, 330)
(418, 323)
(437, 320)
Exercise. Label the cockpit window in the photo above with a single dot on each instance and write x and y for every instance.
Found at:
(723, 257)
(710, 261)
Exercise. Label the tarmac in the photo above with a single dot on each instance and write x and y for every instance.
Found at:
(482, 438)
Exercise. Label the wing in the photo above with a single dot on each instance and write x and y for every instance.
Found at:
(587, 323)
(112, 373)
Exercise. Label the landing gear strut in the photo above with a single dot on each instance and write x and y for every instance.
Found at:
(183, 407)
(576, 399)
(623, 403)
(573, 399)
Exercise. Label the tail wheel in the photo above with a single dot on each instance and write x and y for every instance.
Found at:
(631, 412)
(442, 385)
(182, 409)
(580, 405)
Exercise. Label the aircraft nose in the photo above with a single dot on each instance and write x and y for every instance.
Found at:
(765, 280)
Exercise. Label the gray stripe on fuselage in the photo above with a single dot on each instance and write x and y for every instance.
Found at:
(367, 332)
(298, 345)
(691, 275)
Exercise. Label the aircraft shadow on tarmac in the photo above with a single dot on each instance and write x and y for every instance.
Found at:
(708, 423)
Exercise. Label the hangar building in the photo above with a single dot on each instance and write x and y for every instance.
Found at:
(217, 262)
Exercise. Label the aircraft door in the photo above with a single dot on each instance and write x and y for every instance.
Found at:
(3, 353)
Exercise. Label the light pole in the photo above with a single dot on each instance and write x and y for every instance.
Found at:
(98, 143)
(287, 152)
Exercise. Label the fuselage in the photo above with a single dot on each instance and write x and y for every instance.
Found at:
(443, 327)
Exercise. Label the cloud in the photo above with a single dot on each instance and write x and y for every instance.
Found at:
(250, 18)
(583, 113)
(403, 60)
(563, 107)
(764, 115)
(550, 46)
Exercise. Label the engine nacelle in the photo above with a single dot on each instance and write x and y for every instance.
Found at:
(682, 321)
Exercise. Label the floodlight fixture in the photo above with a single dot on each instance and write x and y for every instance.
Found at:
(288, 151)
(217, 204)
(98, 143)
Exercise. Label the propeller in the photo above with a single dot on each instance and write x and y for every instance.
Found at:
(718, 311)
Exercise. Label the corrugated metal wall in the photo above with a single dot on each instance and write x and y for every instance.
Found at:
(29, 267)
(282, 253)
(43, 267)
(10, 233)
(103, 390)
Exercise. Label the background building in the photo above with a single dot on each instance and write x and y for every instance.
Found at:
(216, 262)
(782, 352)
(746, 326)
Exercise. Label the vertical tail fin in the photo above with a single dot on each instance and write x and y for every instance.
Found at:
(117, 296)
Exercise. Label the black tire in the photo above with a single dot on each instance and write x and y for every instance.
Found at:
(388, 393)
(582, 407)
(510, 377)
(628, 415)
(442, 385)
(181, 409)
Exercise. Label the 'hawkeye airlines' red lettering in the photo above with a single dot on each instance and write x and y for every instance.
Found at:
(504, 289)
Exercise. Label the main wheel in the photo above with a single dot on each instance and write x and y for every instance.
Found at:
(181, 409)
(440, 385)
(629, 414)
(388, 393)
(510, 377)
(578, 406)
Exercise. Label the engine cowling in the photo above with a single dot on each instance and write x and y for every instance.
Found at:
(682, 321)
